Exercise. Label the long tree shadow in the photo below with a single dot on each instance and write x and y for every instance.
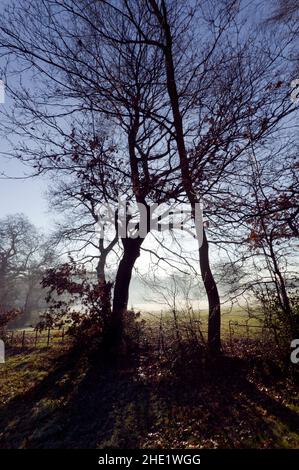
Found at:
(83, 404)
(227, 408)
(77, 406)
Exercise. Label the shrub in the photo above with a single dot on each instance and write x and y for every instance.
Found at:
(75, 301)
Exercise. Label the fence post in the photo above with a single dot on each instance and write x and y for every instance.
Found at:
(23, 338)
(48, 340)
(247, 329)
(230, 333)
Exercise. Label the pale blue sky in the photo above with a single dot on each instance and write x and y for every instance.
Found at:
(17, 195)
(22, 195)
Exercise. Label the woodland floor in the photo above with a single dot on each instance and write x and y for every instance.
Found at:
(53, 398)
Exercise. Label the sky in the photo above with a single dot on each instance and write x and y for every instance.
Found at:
(19, 195)
(18, 192)
(23, 195)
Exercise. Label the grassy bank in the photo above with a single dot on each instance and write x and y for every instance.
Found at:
(52, 398)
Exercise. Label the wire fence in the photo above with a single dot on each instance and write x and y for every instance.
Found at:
(164, 335)
(30, 338)
(260, 333)
(160, 335)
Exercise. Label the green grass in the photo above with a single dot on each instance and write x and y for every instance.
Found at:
(235, 323)
(236, 314)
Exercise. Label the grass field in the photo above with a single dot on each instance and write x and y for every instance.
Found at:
(235, 323)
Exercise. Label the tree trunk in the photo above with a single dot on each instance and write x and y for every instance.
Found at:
(121, 289)
(207, 276)
(101, 269)
(282, 292)
(214, 322)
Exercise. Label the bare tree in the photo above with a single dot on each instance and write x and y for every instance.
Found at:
(24, 256)
(214, 99)
(92, 75)
(284, 11)
(188, 88)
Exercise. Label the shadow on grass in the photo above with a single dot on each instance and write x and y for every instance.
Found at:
(89, 404)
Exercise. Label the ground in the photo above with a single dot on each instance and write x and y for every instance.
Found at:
(59, 398)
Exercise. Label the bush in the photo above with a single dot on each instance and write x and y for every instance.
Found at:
(75, 301)
(284, 324)
(6, 316)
